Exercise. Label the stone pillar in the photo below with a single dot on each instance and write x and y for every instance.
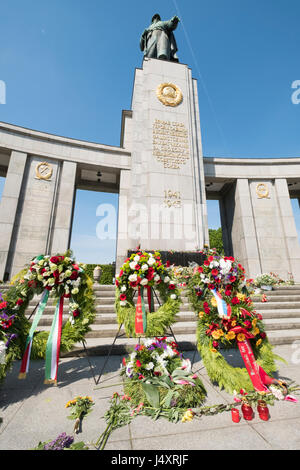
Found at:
(167, 197)
(126, 240)
(9, 204)
(261, 228)
(239, 234)
(35, 212)
(291, 242)
(63, 216)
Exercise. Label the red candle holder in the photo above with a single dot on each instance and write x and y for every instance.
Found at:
(263, 410)
(247, 411)
(235, 415)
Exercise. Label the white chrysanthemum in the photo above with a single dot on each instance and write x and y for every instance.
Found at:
(123, 288)
(145, 267)
(123, 303)
(149, 366)
(132, 265)
(136, 259)
(167, 279)
(173, 296)
(151, 261)
(156, 278)
(144, 282)
(132, 277)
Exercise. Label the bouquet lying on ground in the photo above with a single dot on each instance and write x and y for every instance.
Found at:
(158, 375)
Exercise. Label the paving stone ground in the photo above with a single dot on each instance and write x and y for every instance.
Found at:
(33, 412)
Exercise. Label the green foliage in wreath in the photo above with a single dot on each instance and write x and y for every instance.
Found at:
(222, 278)
(144, 269)
(65, 278)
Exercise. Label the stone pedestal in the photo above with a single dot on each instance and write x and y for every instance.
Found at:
(165, 198)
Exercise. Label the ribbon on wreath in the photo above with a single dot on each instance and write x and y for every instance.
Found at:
(140, 313)
(224, 310)
(150, 299)
(259, 378)
(26, 357)
(53, 344)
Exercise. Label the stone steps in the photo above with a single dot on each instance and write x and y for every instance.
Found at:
(281, 315)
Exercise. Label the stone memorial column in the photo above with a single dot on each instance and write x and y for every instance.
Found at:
(166, 198)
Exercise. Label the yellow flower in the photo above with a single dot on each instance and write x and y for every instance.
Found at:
(240, 337)
(216, 334)
(230, 335)
(254, 321)
(233, 323)
(188, 416)
(258, 342)
(255, 331)
(201, 314)
(213, 302)
(241, 296)
(213, 350)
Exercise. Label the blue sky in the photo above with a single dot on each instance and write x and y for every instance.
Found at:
(68, 66)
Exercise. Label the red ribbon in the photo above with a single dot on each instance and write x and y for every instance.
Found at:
(258, 376)
(139, 323)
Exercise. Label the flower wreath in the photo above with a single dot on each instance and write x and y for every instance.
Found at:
(145, 272)
(60, 278)
(226, 319)
(156, 374)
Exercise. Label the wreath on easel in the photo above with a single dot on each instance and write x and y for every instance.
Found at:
(58, 278)
(218, 293)
(144, 275)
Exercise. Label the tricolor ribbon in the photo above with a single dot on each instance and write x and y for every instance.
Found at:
(140, 313)
(26, 357)
(224, 310)
(53, 344)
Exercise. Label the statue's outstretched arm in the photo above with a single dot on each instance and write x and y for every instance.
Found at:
(172, 23)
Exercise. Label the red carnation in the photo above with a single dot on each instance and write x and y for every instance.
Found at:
(248, 324)
(263, 335)
(206, 263)
(75, 266)
(215, 344)
(124, 361)
(74, 275)
(20, 301)
(3, 305)
(200, 269)
(137, 267)
(138, 363)
(210, 258)
(214, 272)
(56, 274)
(123, 297)
(172, 286)
(54, 259)
(235, 301)
(76, 313)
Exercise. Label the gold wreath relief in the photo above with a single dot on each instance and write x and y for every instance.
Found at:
(43, 171)
(262, 190)
(169, 94)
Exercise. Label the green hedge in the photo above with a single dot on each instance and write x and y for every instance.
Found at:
(108, 272)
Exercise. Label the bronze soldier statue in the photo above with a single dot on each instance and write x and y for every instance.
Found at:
(158, 41)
